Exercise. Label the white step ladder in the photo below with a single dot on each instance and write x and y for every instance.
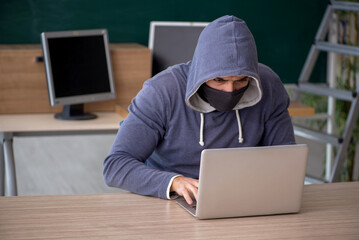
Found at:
(320, 44)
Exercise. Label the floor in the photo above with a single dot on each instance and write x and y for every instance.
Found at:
(73, 164)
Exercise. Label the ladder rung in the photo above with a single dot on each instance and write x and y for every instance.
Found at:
(317, 136)
(337, 48)
(326, 91)
(345, 6)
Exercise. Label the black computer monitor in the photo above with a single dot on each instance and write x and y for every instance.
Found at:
(78, 70)
(173, 42)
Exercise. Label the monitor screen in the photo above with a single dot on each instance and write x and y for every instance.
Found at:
(78, 67)
(173, 42)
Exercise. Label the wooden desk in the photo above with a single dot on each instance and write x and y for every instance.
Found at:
(45, 125)
(329, 211)
(16, 125)
(295, 109)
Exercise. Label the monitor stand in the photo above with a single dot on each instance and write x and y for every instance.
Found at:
(74, 112)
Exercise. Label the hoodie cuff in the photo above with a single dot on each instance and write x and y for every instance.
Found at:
(169, 186)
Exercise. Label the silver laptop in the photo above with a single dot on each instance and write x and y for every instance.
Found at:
(238, 182)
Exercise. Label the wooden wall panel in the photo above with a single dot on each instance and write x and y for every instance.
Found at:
(23, 87)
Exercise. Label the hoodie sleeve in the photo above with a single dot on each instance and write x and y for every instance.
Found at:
(136, 139)
(278, 128)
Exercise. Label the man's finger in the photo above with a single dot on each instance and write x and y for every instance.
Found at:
(194, 190)
(195, 183)
(187, 197)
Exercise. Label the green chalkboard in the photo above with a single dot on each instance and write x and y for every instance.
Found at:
(284, 30)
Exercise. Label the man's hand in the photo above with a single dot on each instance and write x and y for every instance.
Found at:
(185, 187)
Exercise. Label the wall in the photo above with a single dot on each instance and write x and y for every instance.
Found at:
(284, 30)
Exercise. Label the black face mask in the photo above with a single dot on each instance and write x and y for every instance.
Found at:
(220, 100)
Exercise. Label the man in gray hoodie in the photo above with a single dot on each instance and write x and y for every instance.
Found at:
(223, 98)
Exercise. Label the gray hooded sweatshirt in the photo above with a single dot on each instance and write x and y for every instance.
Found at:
(169, 124)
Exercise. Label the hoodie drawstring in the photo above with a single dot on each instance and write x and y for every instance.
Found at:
(201, 142)
(240, 137)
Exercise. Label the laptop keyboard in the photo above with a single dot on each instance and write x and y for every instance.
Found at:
(194, 205)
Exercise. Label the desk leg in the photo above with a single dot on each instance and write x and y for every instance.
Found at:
(2, 166)
(10, 172)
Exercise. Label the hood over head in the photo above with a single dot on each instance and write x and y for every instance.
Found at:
(225, 47)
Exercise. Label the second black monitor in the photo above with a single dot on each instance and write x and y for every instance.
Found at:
(173, 42)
